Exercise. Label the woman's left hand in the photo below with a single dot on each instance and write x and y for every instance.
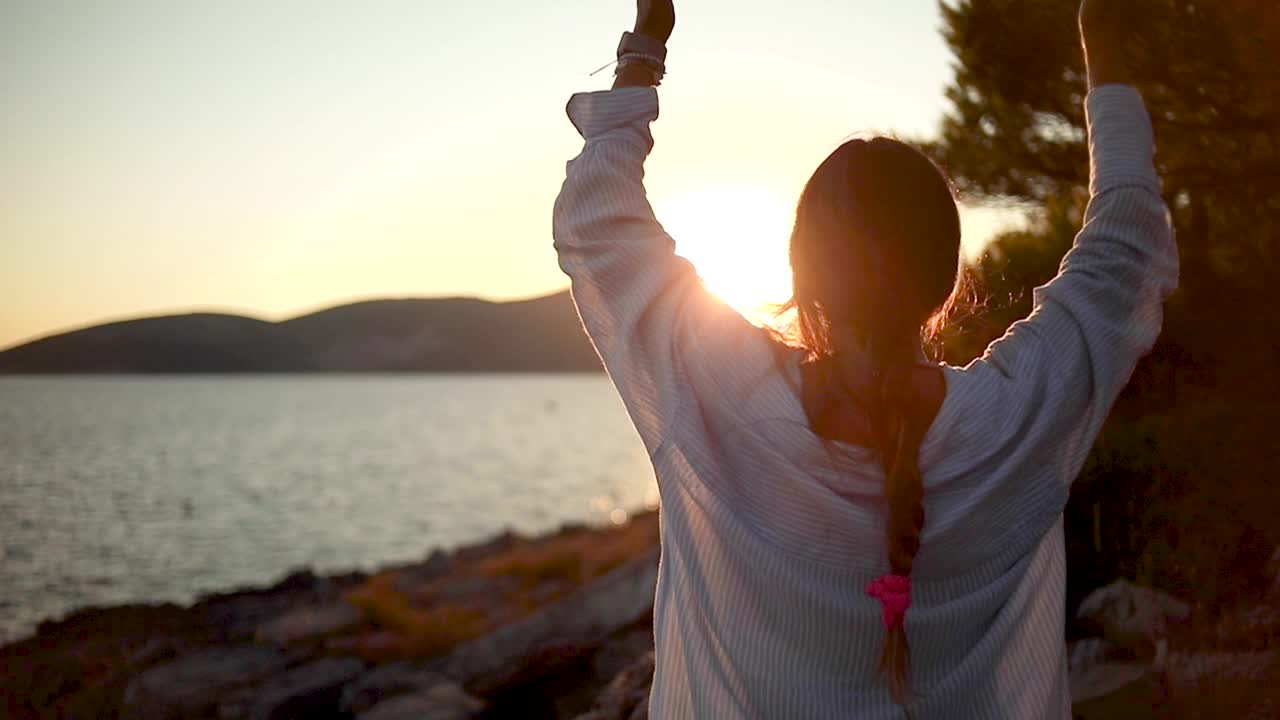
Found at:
(655, 18)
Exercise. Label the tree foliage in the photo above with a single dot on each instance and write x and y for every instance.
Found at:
(1210, 73)
(1183, 474)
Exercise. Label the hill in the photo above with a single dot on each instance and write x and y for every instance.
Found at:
(409, 335)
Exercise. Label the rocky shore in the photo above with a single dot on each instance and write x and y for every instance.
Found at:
(551, 627)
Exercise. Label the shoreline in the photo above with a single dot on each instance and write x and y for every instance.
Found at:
(104, 660)
(298, 572)
(557, 625)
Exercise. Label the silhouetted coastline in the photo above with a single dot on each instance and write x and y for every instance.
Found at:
(406, 335)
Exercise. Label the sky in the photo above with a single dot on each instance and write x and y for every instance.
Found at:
(272, 157)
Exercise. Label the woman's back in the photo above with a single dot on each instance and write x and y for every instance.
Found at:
(770, 533)
(768, 541)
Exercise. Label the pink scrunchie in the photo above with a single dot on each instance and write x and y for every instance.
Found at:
(894, 593)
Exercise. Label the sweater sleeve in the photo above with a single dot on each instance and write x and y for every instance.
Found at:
(1066, 363)
(661, 335)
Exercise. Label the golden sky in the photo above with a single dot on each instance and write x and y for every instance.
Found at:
(270, 157)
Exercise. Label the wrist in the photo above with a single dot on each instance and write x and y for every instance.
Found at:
(1107, 64)
(634, 76)
(1103, 74)
(641, 60)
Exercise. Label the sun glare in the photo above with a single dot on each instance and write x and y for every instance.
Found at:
(736, 236)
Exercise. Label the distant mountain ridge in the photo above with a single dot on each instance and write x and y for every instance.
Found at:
(407, 335)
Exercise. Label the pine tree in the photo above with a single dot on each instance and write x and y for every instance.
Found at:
(1210, 73)
(1181, 474)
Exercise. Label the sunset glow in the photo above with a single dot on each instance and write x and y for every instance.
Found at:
(269, 159)
(736, 236)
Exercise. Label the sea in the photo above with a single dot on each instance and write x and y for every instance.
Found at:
(117, 489)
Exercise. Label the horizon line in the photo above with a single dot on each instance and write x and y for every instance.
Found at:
(227, 310)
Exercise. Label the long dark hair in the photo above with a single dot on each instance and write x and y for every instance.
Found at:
(875, 259)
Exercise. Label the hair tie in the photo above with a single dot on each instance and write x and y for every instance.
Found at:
(894, 593)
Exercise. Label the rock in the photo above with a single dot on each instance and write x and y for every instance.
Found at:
(309, 690)
(1132, 617)
(235, 705)
(499, 543)
(195, 683)
(445, 701)
(472, 591)
(411, 577)
(298, 580)
(1084, 654)
(236, 617)
(377, 645)
(308, 625)
(152, 652)
(385, 682)
(559, 632)
(621, 651)
(1100, 679)
(1130, 693)
(627, 696)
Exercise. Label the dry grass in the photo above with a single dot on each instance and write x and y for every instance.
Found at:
(430, 619)
(575, 556)
(426, 631)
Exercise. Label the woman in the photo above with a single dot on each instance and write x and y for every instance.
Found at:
(812, 494)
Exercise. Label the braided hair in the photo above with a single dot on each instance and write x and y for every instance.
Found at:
(875, 256)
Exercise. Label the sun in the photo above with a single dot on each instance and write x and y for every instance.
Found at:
(736, 236)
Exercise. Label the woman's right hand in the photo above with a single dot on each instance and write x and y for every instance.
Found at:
(1109, 31)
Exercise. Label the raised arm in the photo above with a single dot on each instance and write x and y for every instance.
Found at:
(1068, 361)
(663, 338)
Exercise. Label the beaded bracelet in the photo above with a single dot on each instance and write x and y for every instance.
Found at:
(656, 67)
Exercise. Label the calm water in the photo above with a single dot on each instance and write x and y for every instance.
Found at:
(123, 489)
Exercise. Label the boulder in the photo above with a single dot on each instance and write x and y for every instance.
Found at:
(556, 633)
(626, 697)
(1132, 617)
(621, 651)
(1086, 653)
(1096, 677)
(499, 543)
(384, 682)
(195, 683)
(310, 690)
(445, 701)
(235, 617)
(1132, 695)
(301, 579)
(375, 645)
(153, 651)
(411, 577)
(308, 625)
